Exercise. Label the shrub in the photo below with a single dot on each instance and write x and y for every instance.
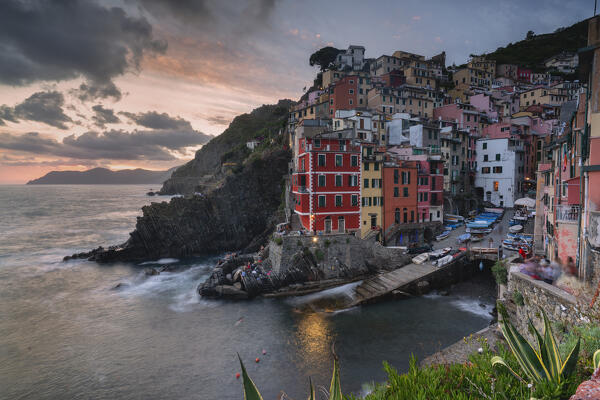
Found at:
(500, 272)
(541, 364)
(518, 298)
(278, 241)
(589, 335)
(299, 243)
(327, 243)
(319, 255)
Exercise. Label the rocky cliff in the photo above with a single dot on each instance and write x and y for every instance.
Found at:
(240, 214)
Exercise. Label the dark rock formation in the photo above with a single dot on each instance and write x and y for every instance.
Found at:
(103, 176)
(238, 213)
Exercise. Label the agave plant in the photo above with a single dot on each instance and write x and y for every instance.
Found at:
(335, 389)
(539, 363)
(596, 359)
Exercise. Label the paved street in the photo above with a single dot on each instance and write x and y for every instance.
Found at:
(498, 234)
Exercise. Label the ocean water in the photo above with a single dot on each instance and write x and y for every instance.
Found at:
(67, 333)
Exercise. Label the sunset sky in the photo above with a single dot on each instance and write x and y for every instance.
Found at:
(144, 83)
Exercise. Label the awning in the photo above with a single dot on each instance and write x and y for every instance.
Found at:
(525, 201)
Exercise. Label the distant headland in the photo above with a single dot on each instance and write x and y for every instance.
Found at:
(103, 176)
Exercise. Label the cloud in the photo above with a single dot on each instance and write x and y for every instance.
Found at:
(218, 120)
(46, 107)
(89, 91)
(54, 41)
(103, 116)
(154, 120)
(416, 18)
(112, 145)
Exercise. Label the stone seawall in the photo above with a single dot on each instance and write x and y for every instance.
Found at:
(560, 306)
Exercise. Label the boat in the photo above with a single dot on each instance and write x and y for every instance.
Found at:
(453, 217)
(493, 210)
(478, 230)
(434, 255)
(516, 228)
(442, 236)
(464, 237)
(443, 261)
(479, 224)
(522, 236)
(476, 237)
(421, 258)
(515, 244)
(512, 222)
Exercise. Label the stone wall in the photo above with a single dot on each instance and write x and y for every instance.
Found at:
(560, 306)
(334, 252)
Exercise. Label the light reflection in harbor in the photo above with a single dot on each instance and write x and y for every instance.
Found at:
(314, 338)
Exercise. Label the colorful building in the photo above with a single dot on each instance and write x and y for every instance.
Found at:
(371, 190)
(326, 182)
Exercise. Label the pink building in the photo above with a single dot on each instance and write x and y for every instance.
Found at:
(464, 115)
(485, 104)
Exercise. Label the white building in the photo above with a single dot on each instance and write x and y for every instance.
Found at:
(353, 57)
(564, 62)
(500, 170)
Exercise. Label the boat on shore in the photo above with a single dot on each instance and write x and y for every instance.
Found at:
(434, 255)
(515, 244)
(421, 258)
(442, 236)
(515, 228)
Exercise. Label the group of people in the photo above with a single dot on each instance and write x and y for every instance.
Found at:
(563, 275)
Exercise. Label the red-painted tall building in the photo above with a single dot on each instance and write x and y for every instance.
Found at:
(326, 183)
(343, 95)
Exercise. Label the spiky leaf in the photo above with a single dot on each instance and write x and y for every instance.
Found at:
(554, 361)
(497, 360)
(312, 390)
(569, 365)
(335, 389)
(250, 390)
(596, 359)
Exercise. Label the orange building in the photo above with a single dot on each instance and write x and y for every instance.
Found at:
(399, 200)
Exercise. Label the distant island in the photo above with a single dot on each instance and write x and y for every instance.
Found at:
(103, 176)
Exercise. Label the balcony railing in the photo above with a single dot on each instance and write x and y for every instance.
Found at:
(567, 213)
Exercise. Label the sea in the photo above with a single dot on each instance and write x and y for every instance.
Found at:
(81, 330)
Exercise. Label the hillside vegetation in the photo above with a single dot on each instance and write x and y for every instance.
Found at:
(228, 147)
(532, 52)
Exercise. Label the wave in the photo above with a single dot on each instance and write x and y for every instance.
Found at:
(474, 306)
(161, 261)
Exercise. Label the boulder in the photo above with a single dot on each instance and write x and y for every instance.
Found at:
(231, 292)
(151, 272)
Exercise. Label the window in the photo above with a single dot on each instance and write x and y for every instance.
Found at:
(412, 216)
(497, 170)
(485, 157)
(405, 191)
(354, 161)
(376, 167)
(322, 201)
(338, 200)
(338, 180)
(497, 157)
(355, 200)
(425, 196)
(342, 144)
(321, 160)
(339, 160)
(366, 165)
(396, 176)
(366, 183)
(321, 180)
(495, 186)
(397, 216)
(351, 91)
(396, 192)
(352, 180)
(485, 170)
(317, 142)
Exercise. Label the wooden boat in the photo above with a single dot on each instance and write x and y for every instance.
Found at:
(478, 237)
(478, 230)
(443, 261)
(515, 245)
(463, 238)
(515, 228)
(434, 255)
(421, 258)
(442, 236)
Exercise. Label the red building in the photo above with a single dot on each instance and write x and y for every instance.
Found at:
(393, 78)
(524, 74)
(343, 94)
(326, 184)
(399, 197)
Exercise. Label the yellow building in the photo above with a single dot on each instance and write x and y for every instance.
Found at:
(467, 77)
(483, 64)
(554, 96)
(371, 191)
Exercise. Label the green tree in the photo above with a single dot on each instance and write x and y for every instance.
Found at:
(530, 35)
(323, 57)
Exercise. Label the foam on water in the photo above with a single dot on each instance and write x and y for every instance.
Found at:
(161, 261)
(344, 290)
(474, 306)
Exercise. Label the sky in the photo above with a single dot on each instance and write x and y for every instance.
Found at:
(145, 83)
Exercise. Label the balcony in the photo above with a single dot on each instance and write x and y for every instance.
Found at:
(566, 213)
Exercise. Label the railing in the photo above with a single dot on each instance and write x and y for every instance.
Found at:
(567, 213)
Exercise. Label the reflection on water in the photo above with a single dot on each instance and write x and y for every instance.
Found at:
(67, 332)
(314, 337)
